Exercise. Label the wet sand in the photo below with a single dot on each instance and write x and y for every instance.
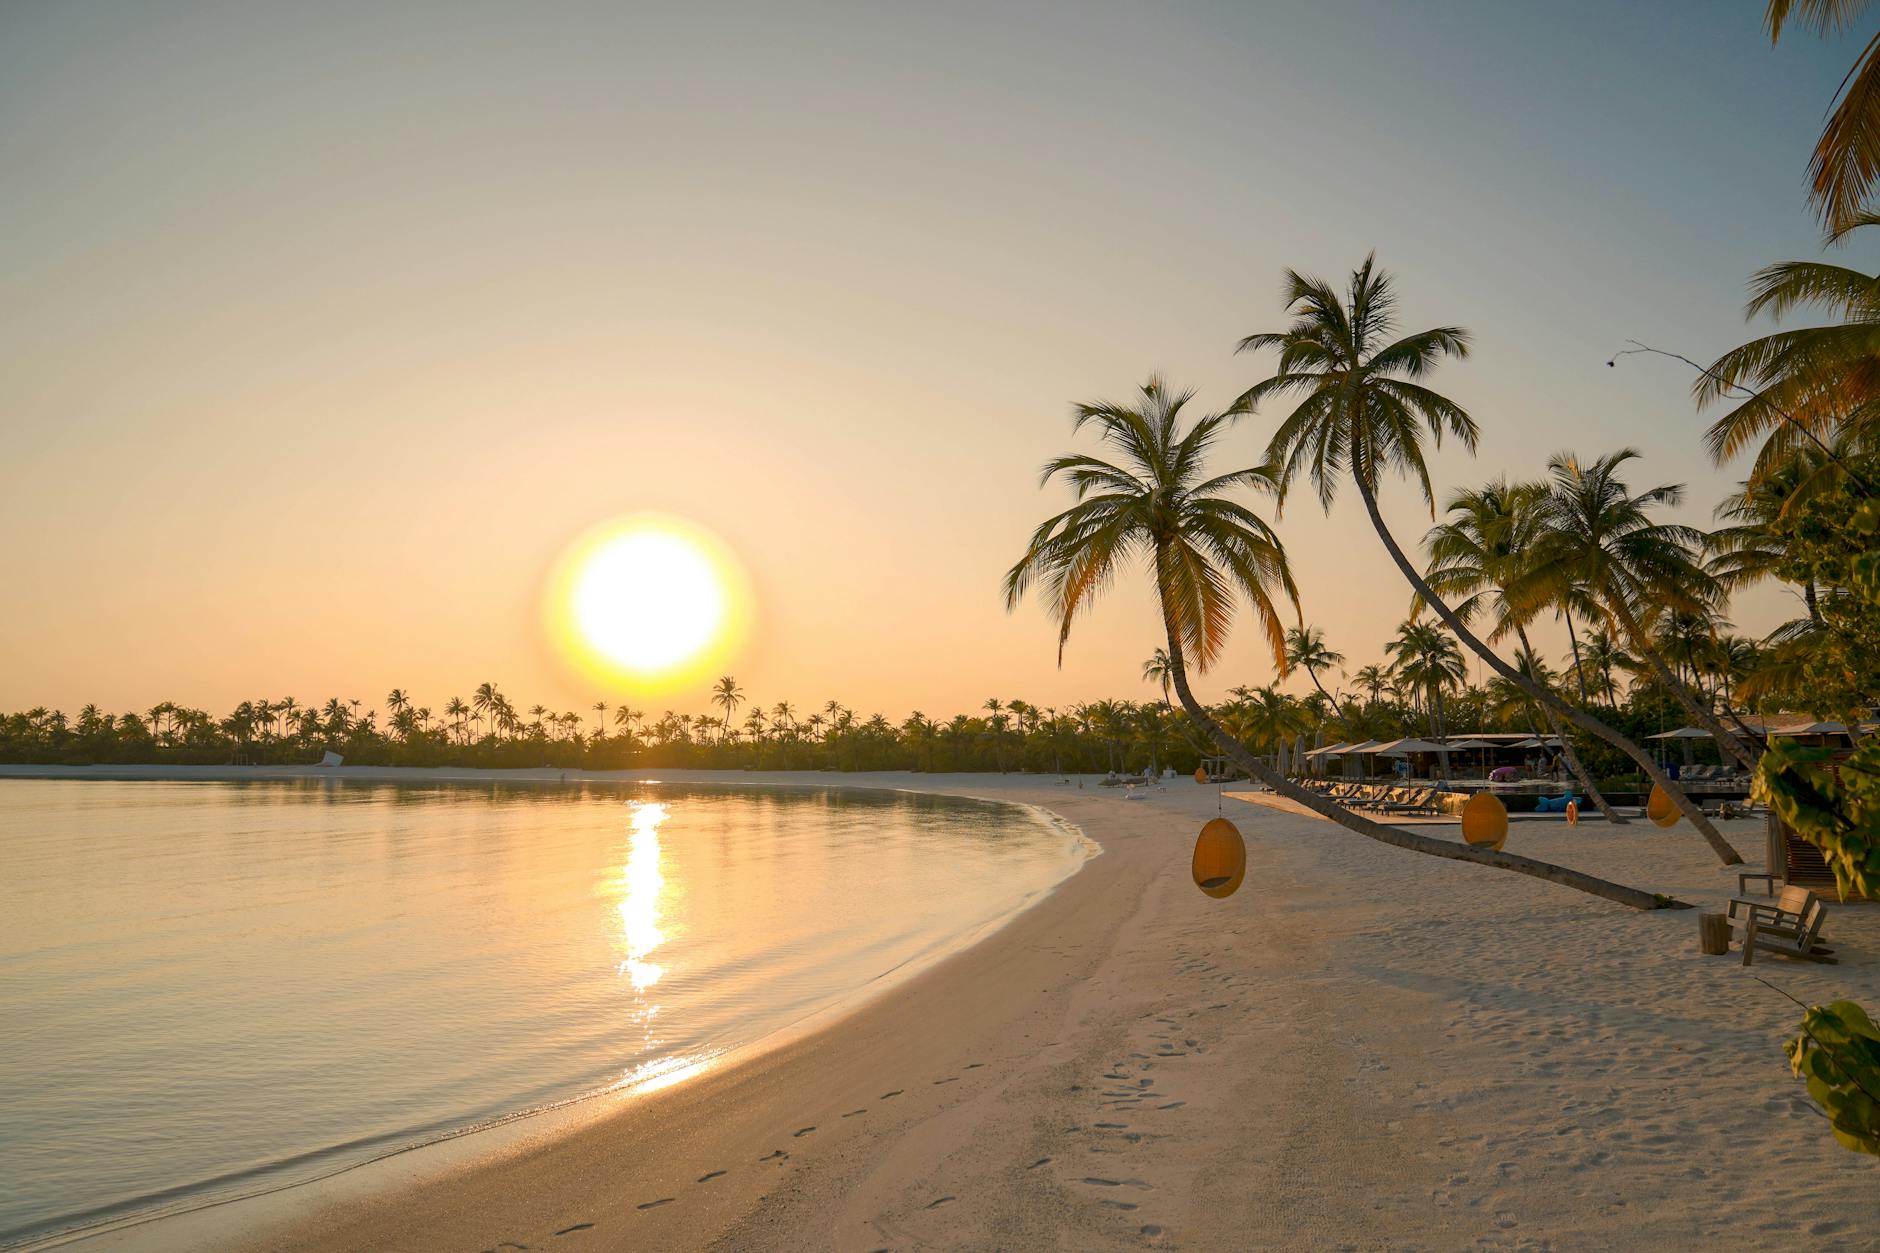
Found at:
(1362, 1048)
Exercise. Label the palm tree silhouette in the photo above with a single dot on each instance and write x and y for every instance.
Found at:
(1363, 411)
(727, 695)
(1201, 547)
(1426, 658)
(1306, 649)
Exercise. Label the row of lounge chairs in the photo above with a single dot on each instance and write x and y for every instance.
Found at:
(1370, 798)
(1712, 774)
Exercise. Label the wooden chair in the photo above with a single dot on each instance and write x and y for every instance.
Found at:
(1785, 906)
(1797, 941)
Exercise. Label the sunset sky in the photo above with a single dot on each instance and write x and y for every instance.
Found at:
(328, 328)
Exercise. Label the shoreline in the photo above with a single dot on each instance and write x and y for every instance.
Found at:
(1362, 1046)
(182, 1223)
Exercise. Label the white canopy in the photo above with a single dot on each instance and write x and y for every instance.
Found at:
(1461, 745)
(1682, 733)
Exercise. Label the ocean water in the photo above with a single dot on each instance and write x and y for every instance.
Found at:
(212, 989)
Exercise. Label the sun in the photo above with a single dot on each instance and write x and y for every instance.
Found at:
(646, 601)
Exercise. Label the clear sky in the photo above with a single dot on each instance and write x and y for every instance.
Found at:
(327, 327)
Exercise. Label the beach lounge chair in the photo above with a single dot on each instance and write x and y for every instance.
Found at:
(1798, 940)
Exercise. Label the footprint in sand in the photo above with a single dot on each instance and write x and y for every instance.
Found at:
(664, 1200)
(776, 1155)
(707, 1178)
(852, 1113)
(948, 1079)
(975, 1065)
(1111, 1126)
(1113, 1204)
(1172, 1105)
(936, 1204)
(565, 1231)
(1040, 1162)
(896, 1092)
(801, 1132)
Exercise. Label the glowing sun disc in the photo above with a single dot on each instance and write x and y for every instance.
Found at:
(646, 601)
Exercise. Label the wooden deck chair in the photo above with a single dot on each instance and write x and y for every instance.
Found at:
(1801, 941)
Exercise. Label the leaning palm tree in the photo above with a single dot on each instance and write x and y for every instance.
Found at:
(1600, 535)
(1482, 548)
(1157, 506)
(1363, 411)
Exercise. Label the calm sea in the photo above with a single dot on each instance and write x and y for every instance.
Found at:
(210, 989)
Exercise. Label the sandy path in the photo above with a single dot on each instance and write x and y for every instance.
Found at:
(1362, 1048)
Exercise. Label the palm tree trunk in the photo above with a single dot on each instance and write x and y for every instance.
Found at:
(1726, 742)
(1579, 669)
(1396, 837)
(1331, 700)
(1571, 713)
(1442, 733)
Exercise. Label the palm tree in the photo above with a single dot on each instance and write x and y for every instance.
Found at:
(1363, 411)
(727, 695)
(457, 712)
(1753, 547)
(1846, 161)
(1157, 670)
(487, 702)
(600, 708)
(1427, 659)
(1373, 680)
(1483, 548)
(1601, 656)
(1306, 649)
(1805, 388)
(1600, 536)
(1201, 548)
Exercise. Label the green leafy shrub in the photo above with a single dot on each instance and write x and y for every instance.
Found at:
(1841, 817)
(1838, 1052)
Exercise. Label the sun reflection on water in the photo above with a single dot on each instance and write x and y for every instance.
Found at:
(639, 907)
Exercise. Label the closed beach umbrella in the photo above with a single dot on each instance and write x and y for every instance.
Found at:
(1485, 821)
(1220, 860)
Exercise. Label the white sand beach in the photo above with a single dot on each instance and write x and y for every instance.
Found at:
(1363, 1048)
